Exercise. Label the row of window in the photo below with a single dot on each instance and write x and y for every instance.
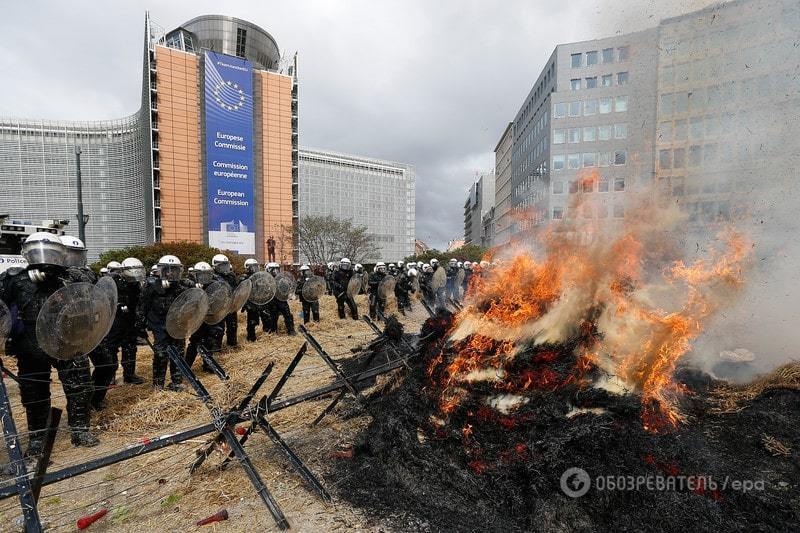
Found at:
(538, 126)
(696, 156)
(715, 96)
(589, 211)
(591, 107)
(606, 80)
(590, 133)
(603, 185)
(589, 160)
(606, 55)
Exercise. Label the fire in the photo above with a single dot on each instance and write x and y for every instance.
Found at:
(620, 301)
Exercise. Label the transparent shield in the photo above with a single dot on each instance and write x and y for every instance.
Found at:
(460, 277)
(415, 287)
(364, 281)
(386, 287)
(285, 286)
(263, 288)
(187, 313)
(106, 289)
(219, 301)
(313, 288)
(5, 321)
(439, 279)
(240, 296)
(355, 285)
(74, 320)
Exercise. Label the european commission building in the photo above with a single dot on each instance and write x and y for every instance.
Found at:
(211, 156)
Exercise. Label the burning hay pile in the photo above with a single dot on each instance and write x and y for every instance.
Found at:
(557, 401)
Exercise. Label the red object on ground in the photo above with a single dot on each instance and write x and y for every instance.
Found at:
(240, 430)
(218, 517)
(88, 520)
(343, 454)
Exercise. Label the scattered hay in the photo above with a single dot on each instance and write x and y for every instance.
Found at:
(733, 398)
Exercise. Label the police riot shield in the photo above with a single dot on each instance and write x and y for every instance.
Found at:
(355, 285)
(5, 323)
(219, 301)
(75, 319)
(439, 279)
(284, 286)
(240, 295)
(313, 288)
(460, 278)
(187, 313)
(263, 288)
(415, 287)
(107, 288)
(386, 286)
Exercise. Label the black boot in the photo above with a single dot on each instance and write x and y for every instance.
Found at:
(84, 437)
(133, 379)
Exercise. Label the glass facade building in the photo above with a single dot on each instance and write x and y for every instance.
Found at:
(373, 193)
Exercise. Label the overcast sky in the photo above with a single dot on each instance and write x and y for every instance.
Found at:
(429, 83)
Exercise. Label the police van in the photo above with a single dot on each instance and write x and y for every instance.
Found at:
(14, 232)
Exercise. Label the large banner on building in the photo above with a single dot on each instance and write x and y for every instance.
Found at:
(229, 153)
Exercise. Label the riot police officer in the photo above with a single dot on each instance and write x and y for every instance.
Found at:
(452, 275)
(105, 367)
(341, 278)
(158, 295)
(279, 307)
(467, 276)
(425, 284)
(209, 336)
(402, 289)
(255, 313)
(25, 291)
(330, 268)
(223, 269)
(130, 279)
(310, 309)
(376, 302)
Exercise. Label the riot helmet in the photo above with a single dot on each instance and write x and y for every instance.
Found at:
(251, 266)
(76, 251)
(44, 248)
(358, 268)
(412, 272)
(113, 266)
(305, 272)
(427, 268)
(345, 264)
(170, 268)
(380, 267)
(132, 269)
(221, 264)
(273, 268)
(452, 263)
(467, 265)
(203, 273)
(104, 271)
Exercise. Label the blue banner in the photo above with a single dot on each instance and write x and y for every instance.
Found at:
(229, 153)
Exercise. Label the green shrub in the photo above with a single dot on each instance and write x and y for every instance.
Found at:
(188, 252)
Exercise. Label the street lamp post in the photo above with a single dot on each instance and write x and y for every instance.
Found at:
(81, 218)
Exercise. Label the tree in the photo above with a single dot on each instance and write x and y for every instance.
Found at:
(468, 252)
(322, 239)
(188, 252)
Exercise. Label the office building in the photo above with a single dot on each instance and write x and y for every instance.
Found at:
(210, 157)
(371, 192)
(480, 201)
(502, 215)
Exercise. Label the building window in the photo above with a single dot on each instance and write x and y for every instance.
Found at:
(241, 38)
(606, 80)
(602, 210)
(680, 130)
(623, 53)
(560, 110)
(665, 159)
(608, 55)
(695, 155)
(605, 105)
(602, 185)
(620, 131)
(696, 127)
(574, 135)
(589, 134)
(558, 213)
(622, 78)
(588, 185)
(558, 162)
(591, 58)
(604, 159)
(573, 186)
(620, 157)
(619, 184)
(619, 211)
(667, 101)
(575, 84)
(574, 161)
(559, 136)
(621, 104)
(590, 107)
(665, 131)
(604, 132)
(589, 160)
(679, 158)
(591, 83)
(558, 187)
(681, 102)
(576, 60)
(575, 109)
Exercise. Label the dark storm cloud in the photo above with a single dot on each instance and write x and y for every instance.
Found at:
(432, 84)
